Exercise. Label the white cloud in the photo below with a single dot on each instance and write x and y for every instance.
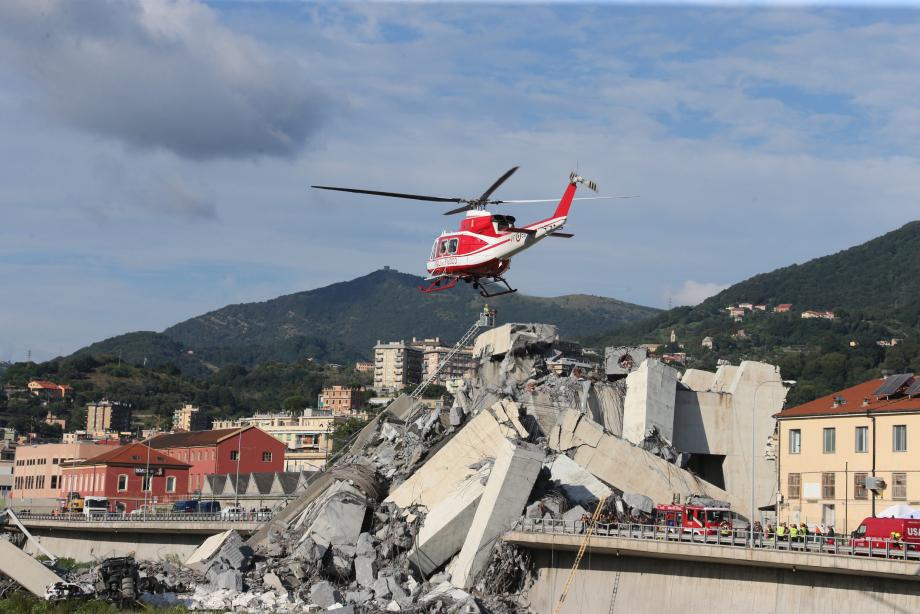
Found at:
(695, 292)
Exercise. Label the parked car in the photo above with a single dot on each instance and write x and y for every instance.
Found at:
(143, 510)
(232, 513)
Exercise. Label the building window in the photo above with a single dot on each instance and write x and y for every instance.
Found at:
(122, 482)
(145, 485)
(862, 439)
(795, 441)
(234, 455)
(171, 484)
(795, 486)
(266, 457)
(830, 440)
(827, 485)
(54, 481)
(899, 486)
(899, 437)
(859, 486)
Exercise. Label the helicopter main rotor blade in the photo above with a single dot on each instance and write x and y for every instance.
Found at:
(485, 195)
(433, 199)
(555, 200)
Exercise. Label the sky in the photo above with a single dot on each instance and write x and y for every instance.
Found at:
(156, 156)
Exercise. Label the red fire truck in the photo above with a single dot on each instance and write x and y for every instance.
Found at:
(895, 532)
(700, 517)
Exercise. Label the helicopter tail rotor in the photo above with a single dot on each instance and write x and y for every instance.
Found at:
(576, 178)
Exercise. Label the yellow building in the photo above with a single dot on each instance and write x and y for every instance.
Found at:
(831, 448)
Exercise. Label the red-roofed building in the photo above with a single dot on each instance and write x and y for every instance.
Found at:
(49, 390)
(128, 476)
(783, 308)
(247, 450)
(829, 447)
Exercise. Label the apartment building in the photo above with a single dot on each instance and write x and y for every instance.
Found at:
(830, 449)
(397, 364)
(432, 357)
(189, 418)
(107, 416)
(340, 400)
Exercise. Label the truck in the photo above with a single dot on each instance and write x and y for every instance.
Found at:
(699, 518)
(891, 533)
(95, 506)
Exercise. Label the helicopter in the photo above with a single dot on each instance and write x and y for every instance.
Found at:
(480, 251)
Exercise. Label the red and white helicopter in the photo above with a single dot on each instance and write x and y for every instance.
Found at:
(480, 251)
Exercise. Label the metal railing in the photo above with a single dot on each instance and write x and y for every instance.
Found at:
(731, 538)
(151, 517)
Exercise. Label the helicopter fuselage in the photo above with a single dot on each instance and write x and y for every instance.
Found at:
(485, 243)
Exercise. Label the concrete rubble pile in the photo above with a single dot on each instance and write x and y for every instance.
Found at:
(410, 516)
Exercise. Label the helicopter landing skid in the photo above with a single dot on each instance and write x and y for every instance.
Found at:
(483, 287)
(436, 286)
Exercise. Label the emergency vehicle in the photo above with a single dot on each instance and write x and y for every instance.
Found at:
(709, 517)
(895, 532)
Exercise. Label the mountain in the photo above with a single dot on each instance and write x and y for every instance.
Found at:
(883, 273)
(343, 321)
(873, 290)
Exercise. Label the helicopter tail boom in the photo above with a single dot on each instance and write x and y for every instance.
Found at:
(562, 210)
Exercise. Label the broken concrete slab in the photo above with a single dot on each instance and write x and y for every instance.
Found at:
(323, 594)
(578, 485)
(516, 468)
(650, 399)
(446, 525)
(450, 466)
(638, 502)
(29, 573)
(207, 549)
(272, 581)
(624, 466)
(339, 516)
(498, 341)
(366, 570)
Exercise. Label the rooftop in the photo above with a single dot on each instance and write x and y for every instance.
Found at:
(861, 399)
(193, 439)
(133, 454)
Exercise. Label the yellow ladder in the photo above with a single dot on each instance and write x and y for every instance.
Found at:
(581, 553)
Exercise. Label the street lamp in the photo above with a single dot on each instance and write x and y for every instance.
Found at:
(787, 383)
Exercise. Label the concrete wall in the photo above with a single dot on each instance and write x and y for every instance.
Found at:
(649, 401)
(607, 583)
(718, 421)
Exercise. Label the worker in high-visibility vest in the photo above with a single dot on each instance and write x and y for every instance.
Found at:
(794, 533)
(781, 532)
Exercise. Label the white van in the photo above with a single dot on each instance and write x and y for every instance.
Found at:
(95, 506)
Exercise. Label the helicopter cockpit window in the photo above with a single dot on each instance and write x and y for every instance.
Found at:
(434, 250)
(442, 251)
(452, 249)
(503, 222)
